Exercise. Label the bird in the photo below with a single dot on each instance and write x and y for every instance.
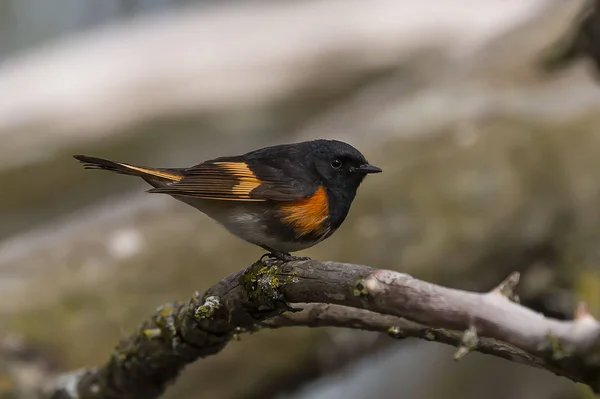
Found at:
(282, 198)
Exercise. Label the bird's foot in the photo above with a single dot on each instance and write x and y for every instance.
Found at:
(282, 256)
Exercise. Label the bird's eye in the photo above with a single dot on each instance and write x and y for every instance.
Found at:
(336, 164)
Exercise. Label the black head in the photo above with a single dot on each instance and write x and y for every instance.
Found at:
(340, 166)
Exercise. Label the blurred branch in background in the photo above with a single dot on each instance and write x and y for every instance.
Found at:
(146, 362)
(24, 369)
(582, 39)
(225, 58)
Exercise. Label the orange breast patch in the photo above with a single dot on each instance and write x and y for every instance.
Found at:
(307, 215)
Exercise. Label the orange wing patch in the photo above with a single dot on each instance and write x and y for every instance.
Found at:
(308, 215)
(220, 180)
(247, 179)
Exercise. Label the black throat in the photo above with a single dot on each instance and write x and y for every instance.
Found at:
(339, 205)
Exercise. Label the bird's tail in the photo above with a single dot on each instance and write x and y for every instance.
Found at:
(156, 177)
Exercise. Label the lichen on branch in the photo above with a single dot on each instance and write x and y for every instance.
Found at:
(273, 294)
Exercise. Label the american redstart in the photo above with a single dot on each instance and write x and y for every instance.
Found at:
(283, 198)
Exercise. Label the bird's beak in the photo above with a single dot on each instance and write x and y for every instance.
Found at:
(366, 168)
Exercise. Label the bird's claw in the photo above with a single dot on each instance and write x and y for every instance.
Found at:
(282, 257)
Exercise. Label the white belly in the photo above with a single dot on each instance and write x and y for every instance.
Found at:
(245, 220)
(248, 225)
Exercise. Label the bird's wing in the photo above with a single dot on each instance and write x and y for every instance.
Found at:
(235, 179)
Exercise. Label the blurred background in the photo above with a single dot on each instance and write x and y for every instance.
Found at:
(490, 166)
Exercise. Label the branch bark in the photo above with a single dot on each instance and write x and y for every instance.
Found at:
(340, 295)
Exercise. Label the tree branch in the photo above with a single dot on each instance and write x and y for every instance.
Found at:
(342, 295)
(327, 315)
